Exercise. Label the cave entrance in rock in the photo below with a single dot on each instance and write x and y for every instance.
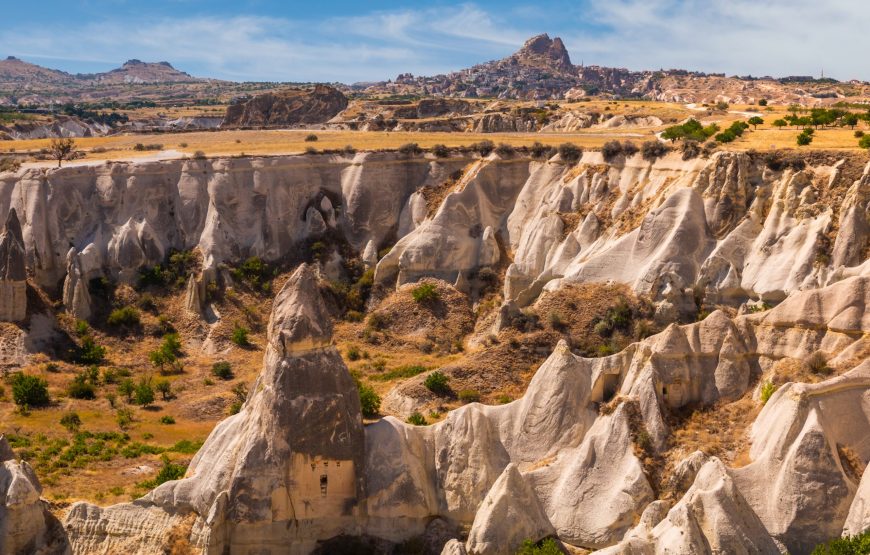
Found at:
(323, 483)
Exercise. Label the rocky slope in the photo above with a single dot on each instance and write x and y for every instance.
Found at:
(290, 107)
(591, 454)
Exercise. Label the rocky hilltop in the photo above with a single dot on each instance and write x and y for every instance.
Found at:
(753, 264)
(137, 71)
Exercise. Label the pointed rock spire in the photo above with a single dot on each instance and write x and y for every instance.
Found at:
(299, 318)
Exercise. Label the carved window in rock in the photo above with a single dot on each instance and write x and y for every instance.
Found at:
(323, 483)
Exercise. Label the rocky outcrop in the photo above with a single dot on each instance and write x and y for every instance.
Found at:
(284, 472)
(722, 230)
(121, 217)
(543, 52)
(13, 274)
(289, 107)
(26, 525)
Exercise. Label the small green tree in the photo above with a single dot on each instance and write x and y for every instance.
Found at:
(804, 139)
(369, 400)
(755, 121)
(144, 394)
(780, 123)
(164, 388)
(762, 102)
(126, 388)
(27, 390)
(864, 142)
(240, 336)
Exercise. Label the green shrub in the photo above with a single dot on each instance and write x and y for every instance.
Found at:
(864, 142)
(440, 151)
(768, 388)
(484, 147)
(143, 394)
(540, 151)
(409, 149)
(353, 353)
(406, 371)
(417, 419)
(90, 352)
(27, 390)
(240, 336)
(71, 421)
(166, 419)
(469, 396)
(437, 383)
(254, 273)
(124, 417)
(611, 150)
(543, 547)
(569, 152)
(425, 293)
(310, 138)
(169, 471)
(186, 447)
(82, 328)
(653, 150)
(504, 399)
(222, 370)
(81, 388)
(852, 545)
(369, 400)
(126, 317)
(504, 150)
(126, 388)
(804, 139)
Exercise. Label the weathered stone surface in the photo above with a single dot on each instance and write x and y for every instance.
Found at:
(285, 471)
(290, 107)
(13, 274)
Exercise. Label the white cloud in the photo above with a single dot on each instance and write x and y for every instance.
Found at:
(375, 46)
(777, 37)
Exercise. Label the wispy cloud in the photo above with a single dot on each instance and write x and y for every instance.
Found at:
(374, 46)
(776, 37)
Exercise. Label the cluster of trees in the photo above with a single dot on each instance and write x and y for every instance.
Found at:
(820, 117)
(737, 128)
(104, 118)
(692, 130)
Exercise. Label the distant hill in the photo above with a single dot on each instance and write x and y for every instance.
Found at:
(15, 70)
(136, 71)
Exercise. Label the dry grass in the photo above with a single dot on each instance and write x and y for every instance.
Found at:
(270, 142)
(200, 400)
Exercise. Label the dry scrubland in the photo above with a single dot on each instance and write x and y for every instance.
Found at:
(280, 141)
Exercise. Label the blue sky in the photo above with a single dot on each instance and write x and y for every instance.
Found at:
(377, 39)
